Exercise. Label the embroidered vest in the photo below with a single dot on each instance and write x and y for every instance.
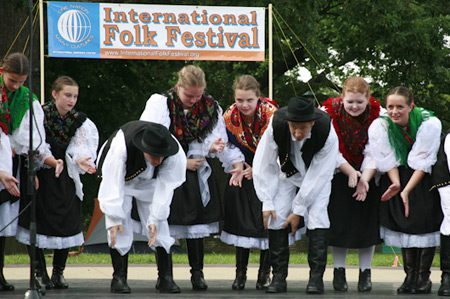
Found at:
(135, 163)
(282, 137)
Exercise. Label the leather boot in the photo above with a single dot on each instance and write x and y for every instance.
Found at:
(242, 255)
(410, 265)
(444, 289)
(59, 264)
(279, 260)
(195, 248)
(41, 269)
(423, 285)
(165, 283)
(365, 282)
(339, 280)
(4, 285)
(120, 265)
(317, 260)
(263, 281)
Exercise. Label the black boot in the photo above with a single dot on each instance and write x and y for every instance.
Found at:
(423, 285)
(365, 282)
(410, 265)
(263, 281)
(41, 269)
(242, 255)
(444, 290)
(339, 280)
(317, 259)
(120, 265)
(165, 283)
(59, 264)
(4, 285)
(279, 260)
(195, 248)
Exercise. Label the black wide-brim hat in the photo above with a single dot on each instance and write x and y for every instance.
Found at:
(299, 110)
(156, 140)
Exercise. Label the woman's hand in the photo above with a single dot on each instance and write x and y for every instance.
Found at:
(361, 190)
(59, 167)
(86, 165)
(353, 178)
(405, 198)
(10, 183)
(217, 146)
(393, 189)
(194, 164)
(248, 171)
(237, 174)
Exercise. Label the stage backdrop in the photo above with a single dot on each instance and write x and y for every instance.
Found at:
(138, 31)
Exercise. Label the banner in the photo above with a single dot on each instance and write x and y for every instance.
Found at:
(139, 31)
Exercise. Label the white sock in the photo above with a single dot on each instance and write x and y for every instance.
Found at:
(339, 256)
(365, 257)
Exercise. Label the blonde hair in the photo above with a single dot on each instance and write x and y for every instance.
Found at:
(356, 84)
(191, 75)
(247, 82)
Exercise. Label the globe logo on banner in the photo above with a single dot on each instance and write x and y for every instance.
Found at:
(74, 26)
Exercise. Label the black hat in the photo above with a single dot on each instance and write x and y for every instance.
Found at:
(156, 140)
(299, 110)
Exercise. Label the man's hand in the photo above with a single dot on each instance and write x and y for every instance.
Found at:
(113, 233)
(153, 233)
(294, 221)
(86, 165)
(266, 215)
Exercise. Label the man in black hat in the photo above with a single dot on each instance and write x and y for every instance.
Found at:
(140, 165)
(292, 171)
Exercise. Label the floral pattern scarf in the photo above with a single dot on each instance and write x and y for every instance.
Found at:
(197, 123)
(60, 127)
(5, 115)
(352, 131)
(247, 134)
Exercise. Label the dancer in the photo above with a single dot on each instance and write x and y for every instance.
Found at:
(246, 120)
(292, 172)
(408, 138)
(140, 165)
(73, 138)
(195, 119)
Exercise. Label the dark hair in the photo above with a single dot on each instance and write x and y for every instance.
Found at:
(403, 91)
(16, 63)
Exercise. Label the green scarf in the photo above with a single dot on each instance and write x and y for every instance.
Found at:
(18, 104)
(402, 138)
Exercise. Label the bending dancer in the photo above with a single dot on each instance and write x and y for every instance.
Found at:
(140, 166)
(195, 119)
(297, 187)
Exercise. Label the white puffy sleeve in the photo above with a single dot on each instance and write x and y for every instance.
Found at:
(423, 153)
(83, 144)
(379, 148)
(171, 175)
(266, 169)
(111, 190)
(156, 110)
(6, 155)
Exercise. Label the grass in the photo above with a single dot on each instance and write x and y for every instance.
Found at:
(379, 259)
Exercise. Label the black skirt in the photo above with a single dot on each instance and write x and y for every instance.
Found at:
(425, 214)
(243, 211)
(187, 206)
(354, 224)
(58, 209)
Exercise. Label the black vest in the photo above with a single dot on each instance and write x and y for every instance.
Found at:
(440, 175)
(282, 137)
(135, 158)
